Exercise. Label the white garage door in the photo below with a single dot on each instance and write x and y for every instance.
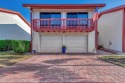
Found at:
(51, 44)
(76, 44)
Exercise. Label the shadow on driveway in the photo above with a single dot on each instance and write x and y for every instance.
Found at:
(47, 73)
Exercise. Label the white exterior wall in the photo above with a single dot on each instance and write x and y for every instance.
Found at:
(36, 41)
(13, 32)
(110, 29)
(36, 35)
(13, 27)
(91, 42)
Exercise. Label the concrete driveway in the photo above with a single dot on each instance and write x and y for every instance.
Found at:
(63, 69)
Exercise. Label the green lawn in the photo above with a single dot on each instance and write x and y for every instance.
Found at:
(9, 58)
(117, 60)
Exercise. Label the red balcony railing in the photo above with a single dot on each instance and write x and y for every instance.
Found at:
(63, 25)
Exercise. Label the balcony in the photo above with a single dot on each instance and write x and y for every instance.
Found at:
(63, 25)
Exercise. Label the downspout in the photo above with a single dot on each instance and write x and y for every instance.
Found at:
(96, 31)
(31, 44)
(96, 34)
(123, 31)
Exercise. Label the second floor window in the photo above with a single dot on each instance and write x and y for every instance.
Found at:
(50, 19)
(76, 19)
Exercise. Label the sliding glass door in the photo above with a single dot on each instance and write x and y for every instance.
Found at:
(72, 19)
(45, 17)
(76, 19)
(50, 19)
(56, 19)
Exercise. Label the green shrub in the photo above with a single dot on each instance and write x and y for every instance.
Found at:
(5, 45)
(2, 45)
(20, 46)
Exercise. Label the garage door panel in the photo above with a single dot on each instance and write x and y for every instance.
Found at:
(57, 40)
(74, 41)
(76, 44)
(51, 50)
(76, 37)
(51, 44)
(51, 39)
(76, 50)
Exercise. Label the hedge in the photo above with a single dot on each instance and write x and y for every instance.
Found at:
(18, 46)
(5, 45)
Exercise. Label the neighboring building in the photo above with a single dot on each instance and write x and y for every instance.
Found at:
(13, 26)
(111, 27)
(57, 25)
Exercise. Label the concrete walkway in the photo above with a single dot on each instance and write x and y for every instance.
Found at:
(101, 52)
(63, 69)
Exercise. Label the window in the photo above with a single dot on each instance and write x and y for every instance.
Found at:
(45, 16)
(73, 16)
(83, 15)
(55, 19)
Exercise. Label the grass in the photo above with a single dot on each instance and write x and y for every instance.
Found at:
(9, 58)
(7, 53)
(117, 60)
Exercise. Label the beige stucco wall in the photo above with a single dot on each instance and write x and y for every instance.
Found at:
(110, 29)
(13, 27)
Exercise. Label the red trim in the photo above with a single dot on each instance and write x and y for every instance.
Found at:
(16, 13)
(96, 35)
(112, 10)
(64, 6)
(63, 27)
(123, 31)
(31, 43)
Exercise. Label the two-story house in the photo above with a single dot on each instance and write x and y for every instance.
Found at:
(57, 25)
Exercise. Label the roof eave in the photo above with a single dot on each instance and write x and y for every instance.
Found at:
(64, 6)
(112, 10)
